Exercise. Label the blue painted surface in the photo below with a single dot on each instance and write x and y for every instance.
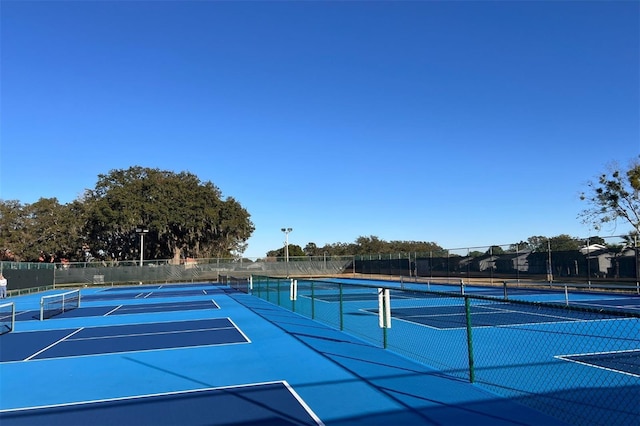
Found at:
(338, 378)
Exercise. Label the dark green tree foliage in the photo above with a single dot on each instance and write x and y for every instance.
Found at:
(44, 230)
(564, 242)
(519, 247)
(615, 195)
(495, 250)
(597, 240)
(13, 230)
(295, 251)
(56, 230)
(365, 246)
(185, 217)
(311, 249)
(371, 244)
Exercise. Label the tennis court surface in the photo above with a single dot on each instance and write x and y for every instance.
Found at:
(192, 354)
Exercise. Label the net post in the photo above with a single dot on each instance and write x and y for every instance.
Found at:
(504, 289)
(291, 297)
(294, 287)
(467, 310)
(462, 286)
(13, 316)
(384, 313)
(42, 309)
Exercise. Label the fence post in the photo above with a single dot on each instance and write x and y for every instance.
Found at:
(341, 308)
(313, 302)
(467, 310)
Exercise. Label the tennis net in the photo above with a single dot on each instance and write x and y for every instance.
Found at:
(56, 304)
(7, 317)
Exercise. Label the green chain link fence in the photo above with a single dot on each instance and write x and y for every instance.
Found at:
(578, 364)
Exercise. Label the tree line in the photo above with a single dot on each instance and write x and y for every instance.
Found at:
(373, 245)
(185, 217)
(612, 197)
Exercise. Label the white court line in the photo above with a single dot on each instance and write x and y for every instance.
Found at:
(513, 311)
(303, 404)
(239, 330)
(315, 299)
(144, 308)
(113, 310)
(557, 320)
(53, 344)
(174, 393)
(592, 365)
(155, 333)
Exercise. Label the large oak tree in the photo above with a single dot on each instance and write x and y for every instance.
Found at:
(184, 216)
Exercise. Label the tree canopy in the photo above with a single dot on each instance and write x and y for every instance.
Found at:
(614, 195)
(184, 218)
(362, 246)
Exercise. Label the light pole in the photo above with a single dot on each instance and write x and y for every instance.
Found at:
(141, 230)
(286, 247)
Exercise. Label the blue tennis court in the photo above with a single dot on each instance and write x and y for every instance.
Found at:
(207, 354)
(260, 403)
(626, 362)
(123, 309)
(118, 338)
(482, 315)
(149, 293)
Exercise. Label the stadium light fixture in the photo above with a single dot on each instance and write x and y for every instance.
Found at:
(286, 247)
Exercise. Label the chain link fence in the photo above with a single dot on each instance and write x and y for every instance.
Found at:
(599, 263)
(578, 364)
(596, 263)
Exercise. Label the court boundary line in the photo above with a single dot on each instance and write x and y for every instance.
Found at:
(126, 352)
(185, 304)
(302, 403)
(239, 330)
(53, 344)
(117, 325)
(475, 326)
(592, 365)
(286, 385)
(235, 326)
(113, 310)
(157, 333)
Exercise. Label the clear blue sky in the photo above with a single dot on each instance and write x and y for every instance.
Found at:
(462, 123)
